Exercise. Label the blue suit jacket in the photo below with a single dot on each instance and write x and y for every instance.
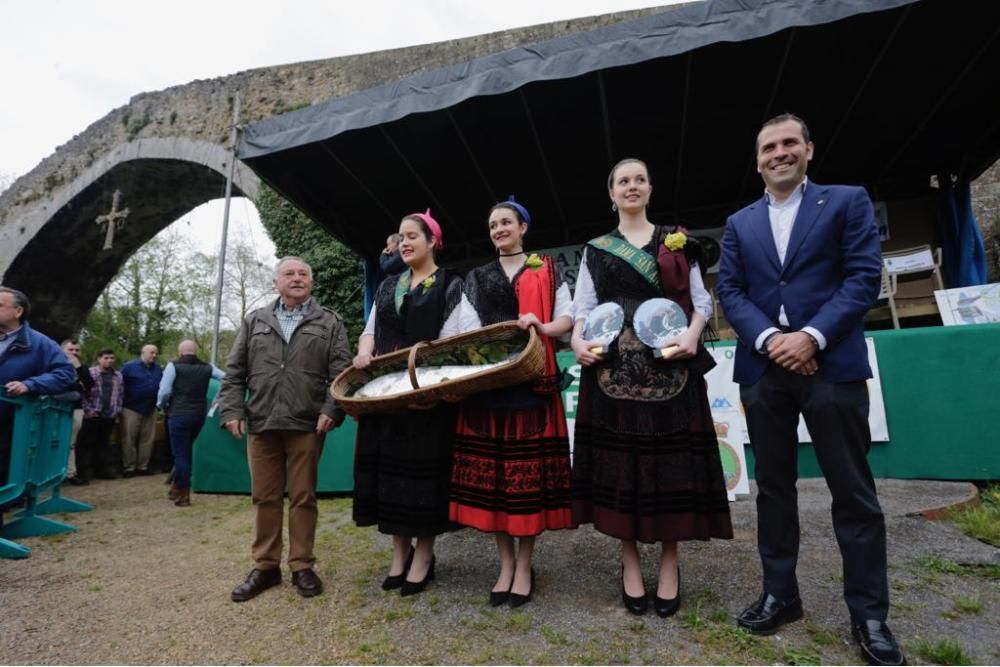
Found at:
(830, 278)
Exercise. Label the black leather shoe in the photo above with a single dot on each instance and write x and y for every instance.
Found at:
(768, 613)
(665, 607)
(878, 646)
(516, 599)
(307, 582)
(498, 598)
(144, 473)
(77, 481)
(414, 587)
(128, 474)
(635, 605)
(394, 581)
(256, 583)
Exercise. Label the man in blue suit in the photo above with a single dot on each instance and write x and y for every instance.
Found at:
(800, 268)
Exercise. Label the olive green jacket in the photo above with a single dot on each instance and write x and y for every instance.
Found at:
(276, 385)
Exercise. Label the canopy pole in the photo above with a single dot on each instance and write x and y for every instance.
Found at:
(233, 140)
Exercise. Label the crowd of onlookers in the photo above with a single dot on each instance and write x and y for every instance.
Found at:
(115, 410)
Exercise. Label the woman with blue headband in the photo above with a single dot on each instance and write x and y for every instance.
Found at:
(511, 467)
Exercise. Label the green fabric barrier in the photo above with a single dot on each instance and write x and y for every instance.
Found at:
(938, 385)
(220, 460)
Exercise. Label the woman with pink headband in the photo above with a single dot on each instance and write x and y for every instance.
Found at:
(403, 461)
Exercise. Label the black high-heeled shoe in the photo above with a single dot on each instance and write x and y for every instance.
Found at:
(516, 599)
(635, 605)
(665, 607)
(394, 581)
(414, 587)
(498, 598)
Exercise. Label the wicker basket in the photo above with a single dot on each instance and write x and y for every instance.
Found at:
(528, 365)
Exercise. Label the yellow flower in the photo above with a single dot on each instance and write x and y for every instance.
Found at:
(427, 282)
(675, 240)
(534, 262)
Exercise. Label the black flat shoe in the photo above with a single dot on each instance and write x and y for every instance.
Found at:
(394, 581)
(516, 599)
(635, 605)
(878, 646)
(768, 613)
(665, 607)
(414, 587)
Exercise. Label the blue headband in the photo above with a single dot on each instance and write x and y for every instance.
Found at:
(523, 212)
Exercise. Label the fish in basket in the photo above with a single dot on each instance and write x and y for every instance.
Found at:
(499, 355)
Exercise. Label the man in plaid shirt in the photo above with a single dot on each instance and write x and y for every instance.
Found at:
(101, 406)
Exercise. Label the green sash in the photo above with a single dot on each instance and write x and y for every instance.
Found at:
(402, 288)
(637, 259)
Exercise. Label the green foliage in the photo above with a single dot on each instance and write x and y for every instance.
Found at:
(165, 294)
(338, 276)
(982, 522)
(942, 652)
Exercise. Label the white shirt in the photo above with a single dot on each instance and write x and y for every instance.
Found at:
(782, 216)
(456, 323)
(585, 297)
(563, 307)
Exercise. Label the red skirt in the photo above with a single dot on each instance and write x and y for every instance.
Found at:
(511, 469)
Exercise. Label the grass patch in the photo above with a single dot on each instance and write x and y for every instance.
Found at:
(967, 606)
(938, 565)
(941, 652)
(983, 521)
(822, 636)
(553, 637)
(518, 621)
(934, 566)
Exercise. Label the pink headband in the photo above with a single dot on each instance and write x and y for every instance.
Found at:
(435, 228)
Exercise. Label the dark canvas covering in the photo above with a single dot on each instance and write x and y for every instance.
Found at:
(894, 91)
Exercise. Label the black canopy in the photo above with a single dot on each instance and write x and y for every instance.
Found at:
(894, 91)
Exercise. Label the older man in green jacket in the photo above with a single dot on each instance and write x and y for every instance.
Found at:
(275, 389)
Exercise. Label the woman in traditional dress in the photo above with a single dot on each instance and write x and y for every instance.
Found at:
(402, 461)
(511, 468)
(646, 461)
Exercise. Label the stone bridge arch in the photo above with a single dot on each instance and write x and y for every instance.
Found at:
(54, 250)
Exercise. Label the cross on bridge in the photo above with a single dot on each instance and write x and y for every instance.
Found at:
(113, 218)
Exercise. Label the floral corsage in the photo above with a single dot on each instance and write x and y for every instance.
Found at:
(675, 240)
(427, 282)
(534, 262)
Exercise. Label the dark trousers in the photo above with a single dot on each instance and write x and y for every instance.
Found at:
(93, 447)
(837, 417)
(183, 431)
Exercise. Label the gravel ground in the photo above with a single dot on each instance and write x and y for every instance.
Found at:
(143, 582)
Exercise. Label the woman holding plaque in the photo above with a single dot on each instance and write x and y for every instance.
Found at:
(646, 464)
(402, 461)
(511, 466)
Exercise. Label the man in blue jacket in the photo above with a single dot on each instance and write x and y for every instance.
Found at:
(800, 268)
(30, 363)
(141, 379)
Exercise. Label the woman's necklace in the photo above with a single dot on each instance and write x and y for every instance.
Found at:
(512, 254)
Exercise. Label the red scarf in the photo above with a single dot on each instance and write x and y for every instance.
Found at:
(536, 293)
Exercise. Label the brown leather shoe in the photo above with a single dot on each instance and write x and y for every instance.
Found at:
(183, 498)
(173, 492)
(256, 583)
(307, 582)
